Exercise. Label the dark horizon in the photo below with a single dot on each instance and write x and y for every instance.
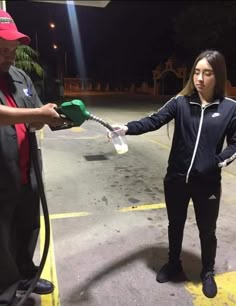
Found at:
(124, 41)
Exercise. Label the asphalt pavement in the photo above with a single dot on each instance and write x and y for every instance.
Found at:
(108, 216)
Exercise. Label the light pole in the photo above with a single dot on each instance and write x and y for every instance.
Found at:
(51, 25)
(61, 53)
(65, 62)
(36, 41)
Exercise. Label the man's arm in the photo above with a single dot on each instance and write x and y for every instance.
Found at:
(45, 114)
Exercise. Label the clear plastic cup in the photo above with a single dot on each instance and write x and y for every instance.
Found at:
(119, 141)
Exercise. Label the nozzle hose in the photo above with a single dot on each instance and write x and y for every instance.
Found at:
(106, 124)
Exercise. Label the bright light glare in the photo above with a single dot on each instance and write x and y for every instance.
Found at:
(52, 25)
(74, 26)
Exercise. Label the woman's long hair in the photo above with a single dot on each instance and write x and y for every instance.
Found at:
(217, 62)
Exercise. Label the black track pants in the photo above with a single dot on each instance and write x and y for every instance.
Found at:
(206, 199)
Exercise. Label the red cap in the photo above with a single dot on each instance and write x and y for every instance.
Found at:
(8, 29)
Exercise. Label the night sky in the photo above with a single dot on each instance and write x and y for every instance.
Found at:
(127, 39)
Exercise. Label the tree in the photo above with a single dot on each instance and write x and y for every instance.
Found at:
(209, 24)
(206, 25)
(27, 60)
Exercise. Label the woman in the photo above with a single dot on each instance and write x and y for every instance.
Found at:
(204, 118)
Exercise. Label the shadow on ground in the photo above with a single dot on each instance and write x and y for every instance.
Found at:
(152, 256)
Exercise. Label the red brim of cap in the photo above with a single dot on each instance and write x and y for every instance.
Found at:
(14, 35)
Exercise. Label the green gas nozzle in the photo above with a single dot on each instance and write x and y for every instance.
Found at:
(76, 112)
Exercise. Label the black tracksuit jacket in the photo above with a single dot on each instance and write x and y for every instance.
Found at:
(23, 92)
(198, 152)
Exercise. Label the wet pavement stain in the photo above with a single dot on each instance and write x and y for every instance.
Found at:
(133, 200)
(104, 199)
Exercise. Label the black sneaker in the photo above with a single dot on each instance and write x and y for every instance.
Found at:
(169, 271)
(209, 287)
(43, 286)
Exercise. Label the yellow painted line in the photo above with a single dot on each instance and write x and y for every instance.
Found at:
(228, 173)
(69, 215)
(89, 138)
(77, 129)
(143, 207)
(226, 291)
(75, 138)
(124, 209)
(49, 271)
(157, 142)
(40, 134)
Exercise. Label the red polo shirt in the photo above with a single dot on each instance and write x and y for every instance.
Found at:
(22, 139)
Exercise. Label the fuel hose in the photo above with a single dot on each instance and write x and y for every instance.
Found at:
(38, 173)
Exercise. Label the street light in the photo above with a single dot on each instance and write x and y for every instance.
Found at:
(52, 25)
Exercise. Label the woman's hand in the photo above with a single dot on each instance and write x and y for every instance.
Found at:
(122, 130)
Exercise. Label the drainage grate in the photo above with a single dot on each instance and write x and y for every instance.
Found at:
(95, 157)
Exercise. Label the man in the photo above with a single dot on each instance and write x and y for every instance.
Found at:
(19, 200)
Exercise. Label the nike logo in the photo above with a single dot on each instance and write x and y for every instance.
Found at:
(215, 115)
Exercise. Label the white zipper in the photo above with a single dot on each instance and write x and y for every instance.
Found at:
(198, 137)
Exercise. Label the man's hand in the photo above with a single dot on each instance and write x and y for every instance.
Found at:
(48, 115)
